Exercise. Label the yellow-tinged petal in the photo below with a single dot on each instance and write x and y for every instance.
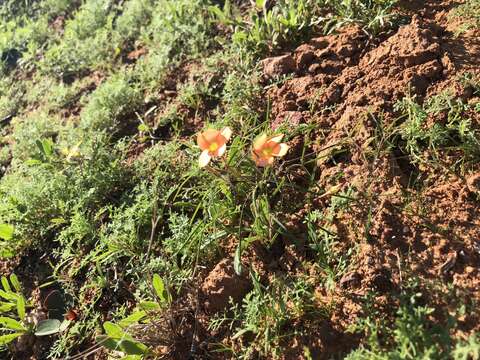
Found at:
(227, 133)
(204, 158)
(282, 150)
(260, 142)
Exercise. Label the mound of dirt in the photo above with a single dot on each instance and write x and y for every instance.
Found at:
(222, 284)
(340, 83)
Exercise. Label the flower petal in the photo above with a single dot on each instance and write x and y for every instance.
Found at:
(281, 150)
(227, 133)
(260, 142)
(276, 138)
(220, 151)
(204, 158)
(255, 157)
(261, 160)
(204, 139)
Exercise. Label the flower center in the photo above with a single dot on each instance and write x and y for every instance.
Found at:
(213, 146)
(267, 152)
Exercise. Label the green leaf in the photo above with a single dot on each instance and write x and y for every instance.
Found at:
(6, 231)
(4, 306)
(6, 253)
(149, 306)
(6, 284)
(107, 342)
(15, 283)
(21, 307)
(32, 162)
(143, 128)
(240, 333)
(46, 147)
(48, 327)
(12, 324)
(132, 319)
(7, 296)
(6, 339)
(260, 3)
(159, 287)
(113, 330)
(64, 325)
(132, 347)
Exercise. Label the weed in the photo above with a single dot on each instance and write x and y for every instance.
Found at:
(323, 240)
(265, 316)
(469, 14)
(375, 14)
(287, 22)
(412, 333)
(455, 133)
(110, 105)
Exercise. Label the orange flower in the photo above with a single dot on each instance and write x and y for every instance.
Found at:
(213, 143)
(266, 148)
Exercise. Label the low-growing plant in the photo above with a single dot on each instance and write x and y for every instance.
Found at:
(456, 133)
(269, 28)
(323, 239)
(120, 336)
(111, 104)
(261, 325)
(411, 333)
(469, 14)
(15, 321)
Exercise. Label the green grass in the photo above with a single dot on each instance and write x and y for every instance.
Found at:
(102, 188)
(468, 14)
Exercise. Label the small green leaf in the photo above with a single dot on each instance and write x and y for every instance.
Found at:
(7, 296)
(6, 231)
(4, 307)
(48, 327)
(149, 306)
(132, 357)
(58, 221)
(6, 339)
(240, 333)
(113, 330)
(132, 319)
(260, 3)
(32, 162)
(46, 147)
(159, 287)
(6, 253)
(21, 307)
(12, 324)
(143, 128)
(15, 283)
(132, 347)
(6, 284)
(64, 325)
(107, 342)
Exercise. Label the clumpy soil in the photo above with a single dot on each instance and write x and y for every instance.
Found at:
(408, 220)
